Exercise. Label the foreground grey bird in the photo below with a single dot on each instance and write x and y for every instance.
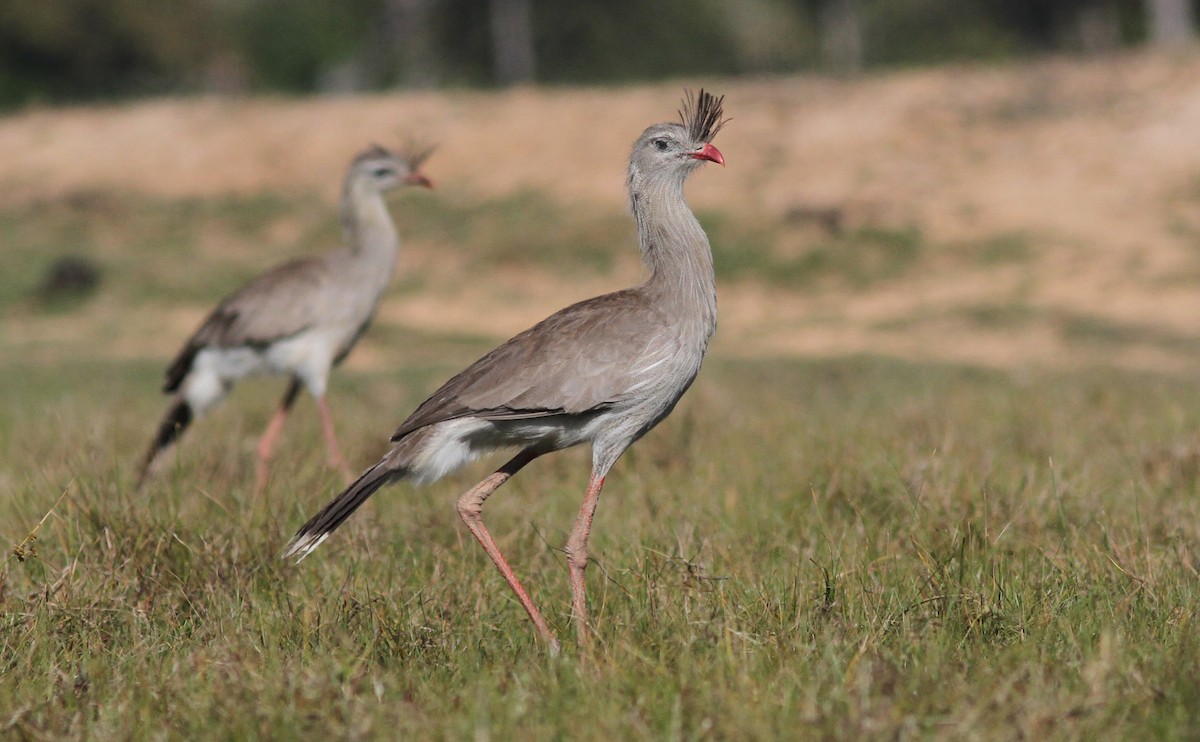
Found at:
(299, 319)
(603, 371)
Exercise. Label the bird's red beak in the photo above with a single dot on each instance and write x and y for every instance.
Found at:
(711, 154)
(418, 179)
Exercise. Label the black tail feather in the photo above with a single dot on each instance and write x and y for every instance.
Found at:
(179, 416)
(312, 533)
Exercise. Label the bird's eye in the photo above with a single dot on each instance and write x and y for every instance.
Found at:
(383, 172)
(661, 144)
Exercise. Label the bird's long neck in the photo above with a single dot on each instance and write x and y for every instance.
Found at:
(370, 232)
(675, 249)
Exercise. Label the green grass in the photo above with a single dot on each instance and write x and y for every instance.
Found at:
(497, 232)
(1007, 247)
(855, 260)
(1086, 333)
(851, 548)
(839, 549)
(138, 242)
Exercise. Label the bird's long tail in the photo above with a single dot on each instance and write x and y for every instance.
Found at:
(316, 530)
(179, 416)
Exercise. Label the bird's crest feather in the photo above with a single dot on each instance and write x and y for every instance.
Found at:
(701, 115)
(372, 153)
(415, 154)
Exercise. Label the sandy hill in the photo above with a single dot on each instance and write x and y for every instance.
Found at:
(1091, 169)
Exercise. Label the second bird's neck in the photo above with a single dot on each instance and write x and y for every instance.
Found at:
(370, 231)
(675, 249)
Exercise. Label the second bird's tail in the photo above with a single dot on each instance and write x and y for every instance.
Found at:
(179, 416)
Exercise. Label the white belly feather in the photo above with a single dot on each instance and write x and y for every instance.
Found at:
(307, 356)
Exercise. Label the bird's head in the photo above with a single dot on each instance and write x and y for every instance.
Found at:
(680, 147)
(380, 170)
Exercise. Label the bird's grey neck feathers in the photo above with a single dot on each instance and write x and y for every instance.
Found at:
(674, 247)
(370, 232)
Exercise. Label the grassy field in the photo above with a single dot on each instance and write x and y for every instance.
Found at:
(987, 527)
(828, 548)
(821, 549)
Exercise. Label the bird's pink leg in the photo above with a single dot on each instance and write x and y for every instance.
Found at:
(577, 557)
(267, 443)
(336, 460)
(470, 509)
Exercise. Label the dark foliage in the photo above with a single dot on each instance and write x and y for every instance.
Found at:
(79, 50)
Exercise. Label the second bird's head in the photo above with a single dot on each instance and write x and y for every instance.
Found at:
(679, 147)
(379, 169)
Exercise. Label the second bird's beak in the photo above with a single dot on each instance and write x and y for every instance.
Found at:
(710, 153)
(419, 180)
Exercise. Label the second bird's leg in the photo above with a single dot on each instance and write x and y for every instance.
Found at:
(267, 443)
(470, 509)
(336, 460)
(577, 556)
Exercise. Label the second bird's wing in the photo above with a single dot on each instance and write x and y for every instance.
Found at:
(277, 304)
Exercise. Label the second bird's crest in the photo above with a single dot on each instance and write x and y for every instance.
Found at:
(413, 154)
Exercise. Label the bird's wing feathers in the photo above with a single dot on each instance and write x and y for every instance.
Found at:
(584, 358)
(275, 305)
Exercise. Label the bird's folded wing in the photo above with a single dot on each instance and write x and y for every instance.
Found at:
(277, 304)
(589, 356)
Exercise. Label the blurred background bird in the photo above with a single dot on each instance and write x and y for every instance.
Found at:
(299, 319)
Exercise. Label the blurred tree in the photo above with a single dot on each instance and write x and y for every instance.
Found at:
(902, 32)
(769, 35)
(296, 45)
(1099, 27)
(514, 59)
(1087, 25)
(408, 27)
(463, 41)
(61, 50)
(615, 40)
(841, 28)
(1171, 21)
(87, 49)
